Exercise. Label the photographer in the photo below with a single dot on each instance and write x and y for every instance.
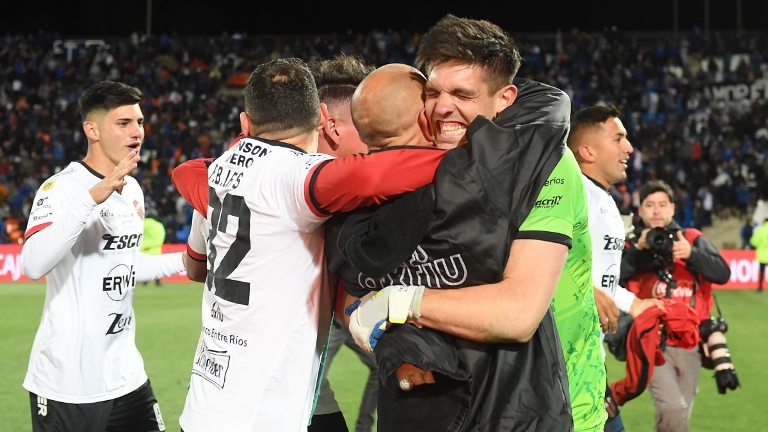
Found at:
(666, 256)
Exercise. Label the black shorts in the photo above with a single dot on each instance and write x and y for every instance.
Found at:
(333, 422)
(137, 411)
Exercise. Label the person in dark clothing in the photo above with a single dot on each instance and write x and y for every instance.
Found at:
(477, 206)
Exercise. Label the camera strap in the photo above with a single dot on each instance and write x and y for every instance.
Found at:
(717, 306)
(691, 235)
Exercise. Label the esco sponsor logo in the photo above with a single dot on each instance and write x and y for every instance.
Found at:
(613, 243)
(121, 242)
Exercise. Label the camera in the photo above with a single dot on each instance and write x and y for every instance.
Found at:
(660, 240)
(713, 324)
(715, 353)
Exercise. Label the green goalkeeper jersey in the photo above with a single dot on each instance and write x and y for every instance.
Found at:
(560, 214)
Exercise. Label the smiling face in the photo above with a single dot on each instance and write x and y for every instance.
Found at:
(609, 149)
(456, 93)
(112, 135)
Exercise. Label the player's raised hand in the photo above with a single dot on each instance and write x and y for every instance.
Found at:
(115, 180)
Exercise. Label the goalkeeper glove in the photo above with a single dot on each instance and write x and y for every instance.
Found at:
(371, 315)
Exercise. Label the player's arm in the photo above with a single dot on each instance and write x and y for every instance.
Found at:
(58, 215)
(705, 259)
(607, 310)
(509, 310)
(151, 267)
(197, 266)
(344, 184)
(191, 180)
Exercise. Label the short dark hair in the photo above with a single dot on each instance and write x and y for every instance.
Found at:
(589, 118)
(338, 77)
(471, 41)
(654, 186)
(107, 95)
(281, 95)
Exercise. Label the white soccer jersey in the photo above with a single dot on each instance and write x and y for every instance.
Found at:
(84, 350)
(606, 228)
(267, 290)
(198, 236)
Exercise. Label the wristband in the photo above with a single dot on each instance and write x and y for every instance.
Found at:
(401, 303)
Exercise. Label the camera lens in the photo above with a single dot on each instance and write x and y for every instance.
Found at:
(659, 240)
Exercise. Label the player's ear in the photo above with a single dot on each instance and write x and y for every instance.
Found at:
(91, 130)
(586, 153)
(508, 94)
(245, 124)
(328, 122)
(323, 115)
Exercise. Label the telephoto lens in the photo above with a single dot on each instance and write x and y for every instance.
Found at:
(725, 373)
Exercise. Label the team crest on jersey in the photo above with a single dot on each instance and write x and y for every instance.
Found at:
(47, 186)
(139, 208)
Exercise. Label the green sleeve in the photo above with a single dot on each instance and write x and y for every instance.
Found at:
(561, 205)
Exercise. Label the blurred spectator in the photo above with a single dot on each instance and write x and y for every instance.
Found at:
(745, 232)
(682, 131)
(759, 240)
(154, 236)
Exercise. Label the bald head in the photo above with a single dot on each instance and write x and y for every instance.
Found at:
(387, 104)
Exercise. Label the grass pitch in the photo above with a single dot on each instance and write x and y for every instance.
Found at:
(168, 325)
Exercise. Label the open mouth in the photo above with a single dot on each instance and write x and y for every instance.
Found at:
(452, 128)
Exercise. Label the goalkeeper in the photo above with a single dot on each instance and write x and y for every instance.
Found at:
(490, 349)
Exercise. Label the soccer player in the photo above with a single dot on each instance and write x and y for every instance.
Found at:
(509, 227)
(85, 230)
(266, 305)
(599, 141)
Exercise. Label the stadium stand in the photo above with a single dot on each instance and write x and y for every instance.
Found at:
(696, 105)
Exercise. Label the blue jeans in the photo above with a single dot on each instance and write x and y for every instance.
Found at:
(614, 423)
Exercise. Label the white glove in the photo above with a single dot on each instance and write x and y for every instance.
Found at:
(371, 315)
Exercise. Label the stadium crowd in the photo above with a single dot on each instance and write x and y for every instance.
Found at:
(710, 145)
